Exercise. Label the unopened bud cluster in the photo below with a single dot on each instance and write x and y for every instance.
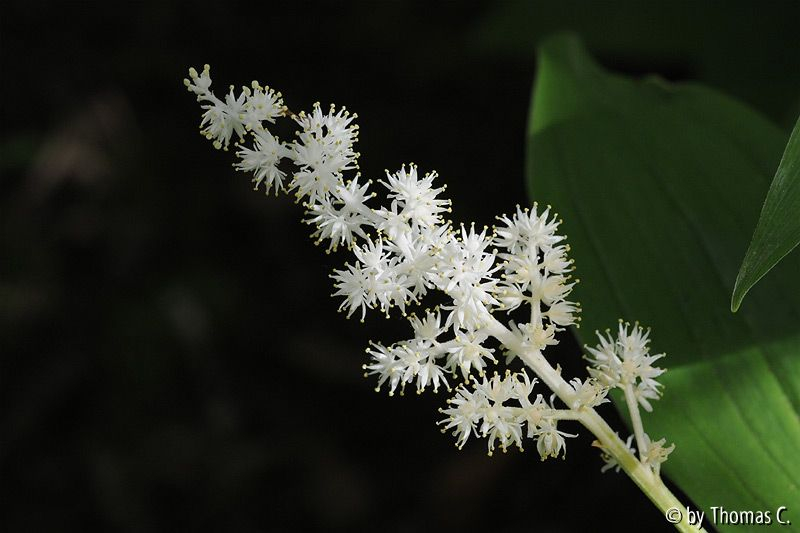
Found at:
(405, 247)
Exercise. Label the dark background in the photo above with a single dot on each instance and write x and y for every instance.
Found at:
(171, 358)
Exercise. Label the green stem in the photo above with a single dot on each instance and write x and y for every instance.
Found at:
(641, 474)
(636, 420)
(649, 483)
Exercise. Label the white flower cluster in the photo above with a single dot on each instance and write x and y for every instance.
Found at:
(424, 359)
(484, 410)
(533, 271)
(626, 361)
(406, 248)
(234, 114)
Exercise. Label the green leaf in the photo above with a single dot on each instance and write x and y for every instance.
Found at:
(655, 185)
(778, 229)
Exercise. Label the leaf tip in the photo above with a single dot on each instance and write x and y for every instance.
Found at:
(740, 289)
(563, 66)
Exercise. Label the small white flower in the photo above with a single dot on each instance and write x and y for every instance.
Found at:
(337, 225)
(416, 197)
(428, 328)
(563, 313)
(468, 353)
(553, 288)
(645, 391)
(263, 161)
(554, 260)
(199, 84)
(523, 386)
(340, 127)
(656, 452)
(353, 197)
(222, 119)
(392, 221)
(536, 336)
(499, 421)
(611, 461)
(465, 262)
(353, 283)
(531, 413)
(550, 441)
(340, 217)
(373, 255)
(416, 252)
(470, 307)
(534, 413)
(523, 268)
(527, 229)
(386, 365)
(463, 414)
(262, 104)
(510, 296)
(432, 373)
(588, 393)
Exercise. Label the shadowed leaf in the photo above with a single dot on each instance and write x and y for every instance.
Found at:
(654, 181)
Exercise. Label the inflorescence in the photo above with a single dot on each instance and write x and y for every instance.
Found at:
(406, 247)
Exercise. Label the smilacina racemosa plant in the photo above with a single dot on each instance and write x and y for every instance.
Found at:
(406, 248)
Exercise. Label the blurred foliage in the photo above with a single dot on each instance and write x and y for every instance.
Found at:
(170, 356)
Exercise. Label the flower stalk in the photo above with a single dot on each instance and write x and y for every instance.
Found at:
(636, 420)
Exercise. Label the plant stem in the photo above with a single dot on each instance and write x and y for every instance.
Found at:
(651, 484)
(641, 474)
(636, 420)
